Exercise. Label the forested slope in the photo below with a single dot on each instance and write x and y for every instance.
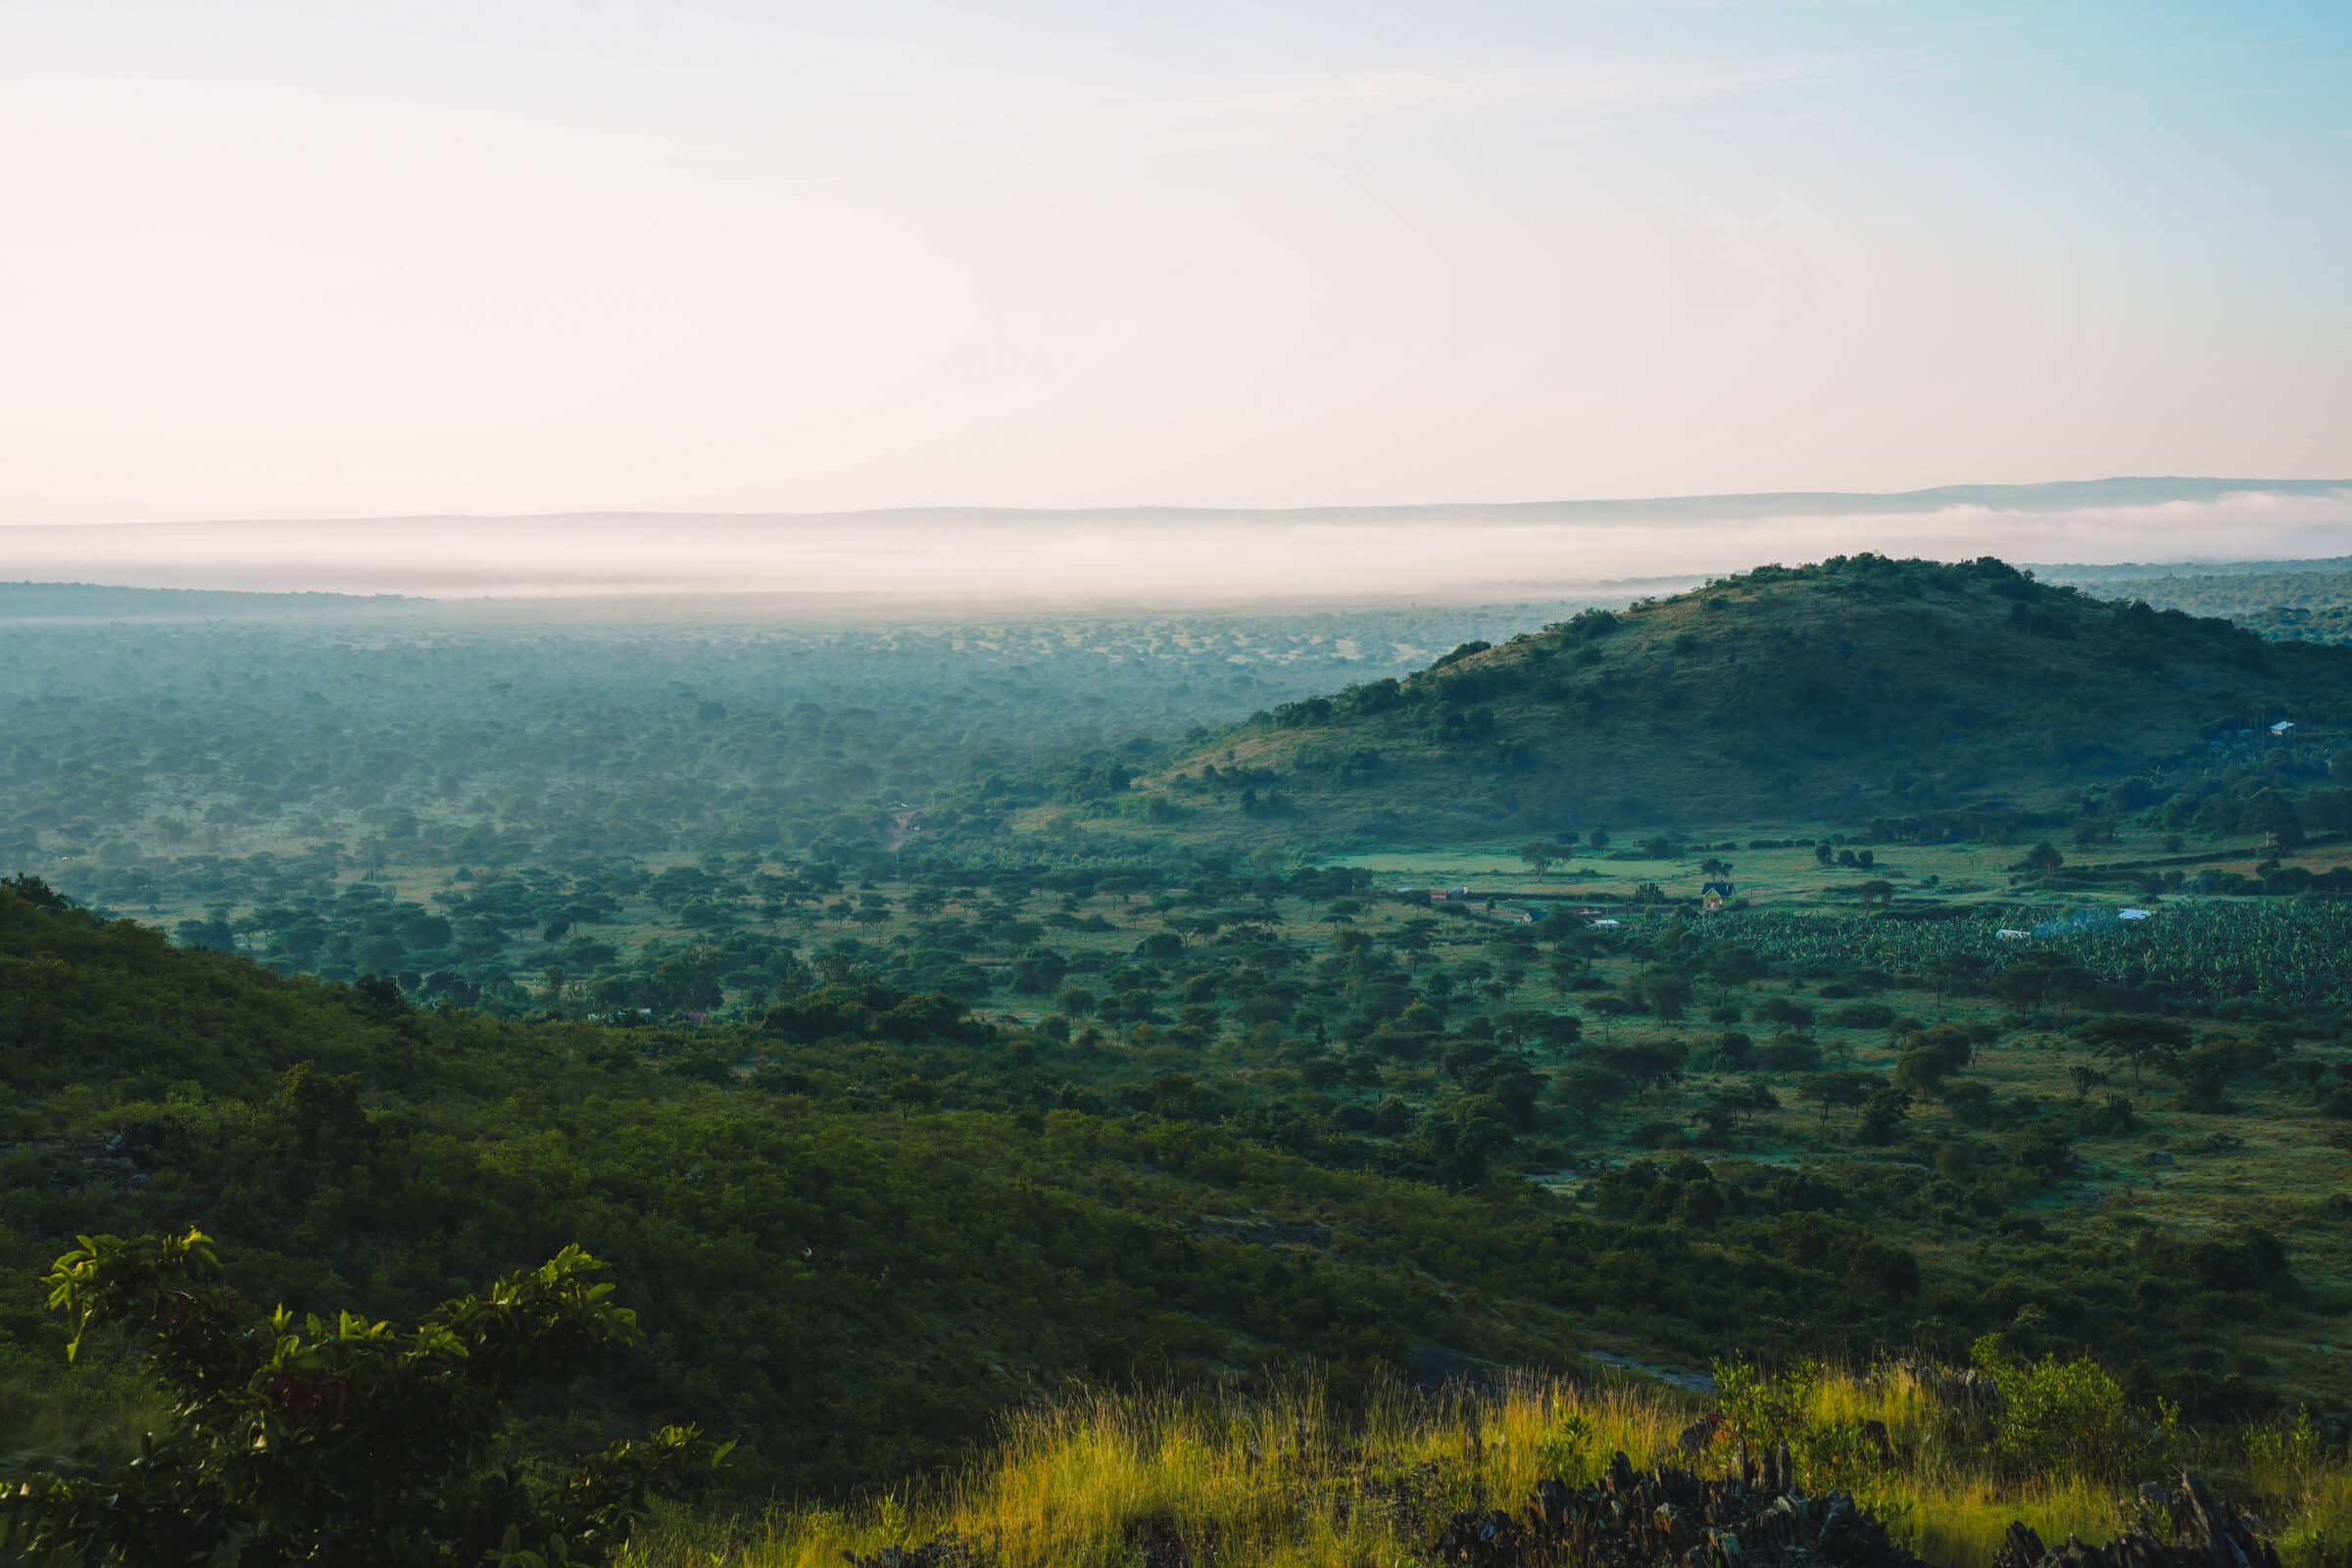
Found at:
(1852, 688)
(856, 1266)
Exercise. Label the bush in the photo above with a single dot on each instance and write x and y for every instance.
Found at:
(1566, 1452)
(1761, 1409)
(2067, 1418)
(305, 1441)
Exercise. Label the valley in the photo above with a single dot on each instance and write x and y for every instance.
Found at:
(927, 1020)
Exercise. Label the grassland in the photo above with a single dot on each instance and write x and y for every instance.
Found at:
(1287, 1481)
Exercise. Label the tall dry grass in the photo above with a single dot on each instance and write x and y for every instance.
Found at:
(1286, 1481)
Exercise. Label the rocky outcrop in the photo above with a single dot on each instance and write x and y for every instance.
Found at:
(1668, 1517)
(2180, 1525)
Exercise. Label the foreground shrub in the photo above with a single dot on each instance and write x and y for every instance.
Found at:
(304, 1441)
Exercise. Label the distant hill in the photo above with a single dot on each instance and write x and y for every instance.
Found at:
(86, 601)
(1858, 687)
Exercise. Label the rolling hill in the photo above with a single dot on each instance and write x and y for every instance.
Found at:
(1858, 687)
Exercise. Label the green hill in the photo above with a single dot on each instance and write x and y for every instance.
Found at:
(1853, 688)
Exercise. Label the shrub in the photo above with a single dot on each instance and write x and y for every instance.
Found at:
(1566, 1452)
(306, 1441)
(1762, 1410)
(2066, 1418)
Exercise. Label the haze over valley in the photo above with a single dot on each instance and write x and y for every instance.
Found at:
(1164, 555)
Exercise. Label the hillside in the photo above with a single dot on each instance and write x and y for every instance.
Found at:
(1858, 687)
(855, 1278)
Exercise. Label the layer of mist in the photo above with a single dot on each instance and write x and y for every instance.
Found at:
(1174, 556)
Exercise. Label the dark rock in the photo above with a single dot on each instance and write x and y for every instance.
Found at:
(1755, 1518)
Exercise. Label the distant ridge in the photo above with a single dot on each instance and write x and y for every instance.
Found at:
(2043, 496)
(89, 600)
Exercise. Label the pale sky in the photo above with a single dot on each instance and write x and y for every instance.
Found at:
(514, 256)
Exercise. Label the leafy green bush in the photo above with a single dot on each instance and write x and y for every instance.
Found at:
(1566, 1452)
(1763, 1409)
(2067, 1418)
(304, 1441)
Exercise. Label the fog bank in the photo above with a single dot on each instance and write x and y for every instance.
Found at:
(1171, 556)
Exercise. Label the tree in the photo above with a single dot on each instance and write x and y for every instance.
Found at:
(1460, 1144)
(1878, 890)
(1533, 1026)
(35, 892)
(1929, 1055)
(2134, 1038)
(2043, 859)
(309, 1440)
(2273, 816)
(1883, 1116)
(1834, 1090)
(1539, 856)
(1589, 1088)
(1646, 1066)
(2204, 1072)
(911, 1095)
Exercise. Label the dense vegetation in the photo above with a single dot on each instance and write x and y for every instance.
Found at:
(920, 1019)
(2300, 600)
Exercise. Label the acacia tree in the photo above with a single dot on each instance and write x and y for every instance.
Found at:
(306, 1441)
(1832, 1091)
(2137, 1039)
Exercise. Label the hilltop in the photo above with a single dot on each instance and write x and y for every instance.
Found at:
(1855, 687)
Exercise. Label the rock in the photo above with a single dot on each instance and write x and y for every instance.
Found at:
(1671, 1518)
(1698, 1435)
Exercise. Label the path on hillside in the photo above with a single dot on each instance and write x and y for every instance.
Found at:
(902, 823)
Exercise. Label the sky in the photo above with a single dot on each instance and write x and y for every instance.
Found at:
(327, 259)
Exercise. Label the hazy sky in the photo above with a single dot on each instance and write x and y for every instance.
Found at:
(266, 260)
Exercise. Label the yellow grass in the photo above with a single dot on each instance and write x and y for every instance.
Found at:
(1286, 1481)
